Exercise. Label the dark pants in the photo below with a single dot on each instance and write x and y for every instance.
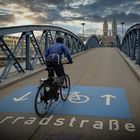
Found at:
(57, 68)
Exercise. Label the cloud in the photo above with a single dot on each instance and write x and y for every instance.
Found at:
(128, 18)
(95, 10)
(5, 20)
(54, 11)
(6, 17)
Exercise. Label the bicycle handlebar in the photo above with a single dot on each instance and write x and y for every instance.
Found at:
(66, 63)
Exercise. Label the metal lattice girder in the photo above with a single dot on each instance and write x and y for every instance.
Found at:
(118, 42)
(38, 53)
(92, 42)
(131, 43)
(49, 34)
(138, 58)
(11, 56)
(28, 28)
(50, 37)
(44, 40)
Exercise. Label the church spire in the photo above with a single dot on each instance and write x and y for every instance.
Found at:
(114, 28)
(105, 28)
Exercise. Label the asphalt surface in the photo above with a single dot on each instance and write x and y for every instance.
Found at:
(99, 70)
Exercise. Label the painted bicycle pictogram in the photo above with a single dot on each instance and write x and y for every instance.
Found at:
(77, 98)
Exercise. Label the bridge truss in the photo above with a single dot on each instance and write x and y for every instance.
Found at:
(35, 45)
(92, 42)
(131, 43)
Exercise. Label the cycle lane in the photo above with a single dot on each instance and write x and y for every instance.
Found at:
(105, 101)
(78, 125)
(84, 102)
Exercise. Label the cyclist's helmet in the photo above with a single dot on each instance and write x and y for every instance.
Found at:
(60, 39)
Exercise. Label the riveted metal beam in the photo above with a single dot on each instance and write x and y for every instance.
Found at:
(131, 43)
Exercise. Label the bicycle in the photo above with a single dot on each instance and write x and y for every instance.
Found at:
(45, 93)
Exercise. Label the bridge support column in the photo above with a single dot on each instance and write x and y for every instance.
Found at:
(28, 54)
(133, 45)
(46, 41)
(139, 47)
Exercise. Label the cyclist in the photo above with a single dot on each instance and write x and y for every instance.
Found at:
(54, 58)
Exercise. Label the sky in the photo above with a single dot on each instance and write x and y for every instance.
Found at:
(70, 14)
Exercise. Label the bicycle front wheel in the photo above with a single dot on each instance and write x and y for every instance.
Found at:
(65, 88)
(42, 105)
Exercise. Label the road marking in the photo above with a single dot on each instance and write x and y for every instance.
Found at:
(108, 98)
(86, 100)
(22, 98)
(77, 98)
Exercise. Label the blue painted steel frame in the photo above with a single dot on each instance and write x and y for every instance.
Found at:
(72, 41)
(28, 56)
(131, 43)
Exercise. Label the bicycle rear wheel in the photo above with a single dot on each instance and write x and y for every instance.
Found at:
(65, 88)
(42, 105)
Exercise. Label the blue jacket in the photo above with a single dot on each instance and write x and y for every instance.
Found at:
(55, 53)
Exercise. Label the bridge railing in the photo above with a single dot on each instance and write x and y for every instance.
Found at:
(92, 42)
(131, 43)
(34, 45)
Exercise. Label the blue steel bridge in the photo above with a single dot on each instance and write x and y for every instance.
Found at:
(48, 36)
(105, 87)
(130, 44)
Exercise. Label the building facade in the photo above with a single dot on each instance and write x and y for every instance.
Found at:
(109, 36)
(12, 42)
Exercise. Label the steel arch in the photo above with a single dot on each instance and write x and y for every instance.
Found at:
(131, 43)
(48, 35)
(92, 42)
(117, 42)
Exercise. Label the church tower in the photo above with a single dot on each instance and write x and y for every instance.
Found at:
(105, 28)
(114, 28)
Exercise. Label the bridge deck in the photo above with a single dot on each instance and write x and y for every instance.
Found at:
(112, 111)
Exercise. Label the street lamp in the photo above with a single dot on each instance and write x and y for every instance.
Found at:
(122, 28)
(83, 28)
